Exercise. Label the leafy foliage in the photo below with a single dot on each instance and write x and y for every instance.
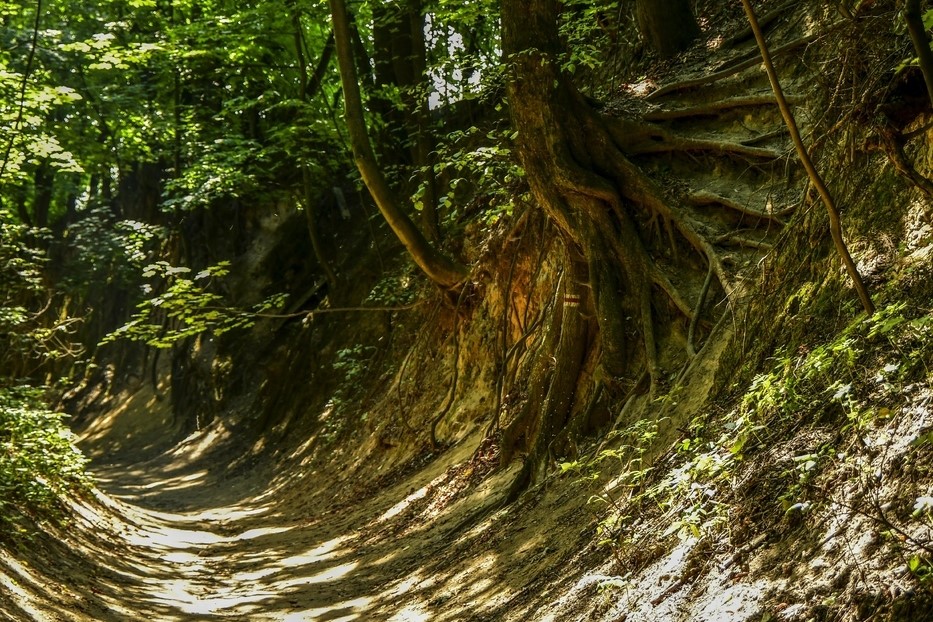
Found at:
(482, 171)
(185, 307)
(29, 336)
(38, 461)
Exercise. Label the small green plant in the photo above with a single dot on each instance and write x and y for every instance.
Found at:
(921, 568)
(581, 26)
(396, 289)
(483, 170)
(352, 362)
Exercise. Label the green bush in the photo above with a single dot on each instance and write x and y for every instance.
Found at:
(38, 460)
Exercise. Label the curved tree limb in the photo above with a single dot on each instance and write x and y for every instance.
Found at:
(439, 268)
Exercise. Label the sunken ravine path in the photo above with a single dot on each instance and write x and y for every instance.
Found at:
(171, 534)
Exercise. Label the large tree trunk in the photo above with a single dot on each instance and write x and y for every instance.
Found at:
(561, 145)
(669, 26)
(439, 268)
(568, 158)
(603, 204)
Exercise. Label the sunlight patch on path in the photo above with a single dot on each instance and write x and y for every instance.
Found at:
(351, 609)
(411, 613)
(321, 553)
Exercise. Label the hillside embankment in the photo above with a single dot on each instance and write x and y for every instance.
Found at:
(784, 473)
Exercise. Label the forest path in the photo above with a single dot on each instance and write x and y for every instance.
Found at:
(185, 541)
(174, 536)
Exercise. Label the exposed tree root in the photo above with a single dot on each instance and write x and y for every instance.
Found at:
(704, 197)
(745, 242)
(637, 187)
(894, 149)
(701, 300)
(734, 69)
(835, 224)
(615, 265)
(455, 374)
(664, 142)
(640, 138)
(765, 21)
(714, 108)
(781, 131)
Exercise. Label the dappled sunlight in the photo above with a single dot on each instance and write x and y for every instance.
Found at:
(168, 538)
(475, 579)
(408, 585)
(402, 505)
(343, 611)
(21, 575)
(320, 553)
(325, 576)
(190, 598)
(316, 555)
(386, 559)
(229, 514)
(412, 613)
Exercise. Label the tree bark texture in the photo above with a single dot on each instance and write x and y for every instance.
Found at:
(569, 160)
(668, 26)
(573, 168)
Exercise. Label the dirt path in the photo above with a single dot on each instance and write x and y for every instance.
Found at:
(199, 546)
(173, 536)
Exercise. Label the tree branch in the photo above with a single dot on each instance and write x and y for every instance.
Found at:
(835, 223)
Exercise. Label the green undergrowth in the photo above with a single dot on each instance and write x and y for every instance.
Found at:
(799, 425)
(38, 460)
